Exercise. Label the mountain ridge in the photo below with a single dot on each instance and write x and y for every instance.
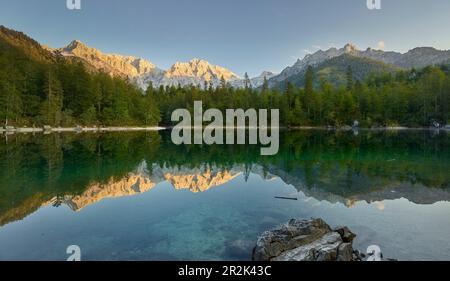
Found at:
(112, 64)
(200, 72)
(29, 47)
(334, 71)
(194, 72)
(415, 58)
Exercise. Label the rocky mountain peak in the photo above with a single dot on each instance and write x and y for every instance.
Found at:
(74, 45)
(197, 61)
(113, 64)
(199, 69)
(266, 74)
(350, 48)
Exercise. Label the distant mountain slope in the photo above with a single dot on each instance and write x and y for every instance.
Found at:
(255, 82)
(18, 41)
(421, 57)
(143, 72)
(201, 72)
(113, 64)
(138, 70)
(195, 72)
(309, 60)
(335, 70)
(418, 58)
(43, 87)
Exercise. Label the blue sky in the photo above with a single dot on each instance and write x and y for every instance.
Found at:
(242, 35)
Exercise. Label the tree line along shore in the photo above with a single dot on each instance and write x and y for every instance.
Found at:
(38, 91)
(77, 129)
(80, 129)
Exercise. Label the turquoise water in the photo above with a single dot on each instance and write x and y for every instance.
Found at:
(136, 196)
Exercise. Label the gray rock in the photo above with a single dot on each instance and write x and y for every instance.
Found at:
(322, 249)
(346, 234)
(358, 256)
(345, 252)
(288, 236)
(305, 240)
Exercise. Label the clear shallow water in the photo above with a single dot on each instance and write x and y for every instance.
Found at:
(135, 196)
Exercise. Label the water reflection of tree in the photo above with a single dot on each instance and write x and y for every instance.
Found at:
(35, 169)
(52, 154)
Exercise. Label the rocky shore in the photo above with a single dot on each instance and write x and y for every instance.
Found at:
(47, 129)
(309, 240)
(381, 128)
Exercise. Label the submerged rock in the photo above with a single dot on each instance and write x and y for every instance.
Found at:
(239, 248)
(305, 240)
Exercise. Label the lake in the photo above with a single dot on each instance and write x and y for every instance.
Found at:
(137, 196)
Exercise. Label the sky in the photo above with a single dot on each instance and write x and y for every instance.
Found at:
(242, 35)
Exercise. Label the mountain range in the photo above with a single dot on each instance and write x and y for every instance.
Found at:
(330, 65)
(143, 72)
(113, 64)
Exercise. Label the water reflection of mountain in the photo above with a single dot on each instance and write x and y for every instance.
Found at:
(203, 178)
(80, 170)
(181, 178)
(363, 189)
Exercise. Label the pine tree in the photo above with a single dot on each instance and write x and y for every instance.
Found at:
(349, 75)
(51, 108)
(223, 83)
(309, 81)
(309, 89)
(297, 112)
(247, 82)
(265, 86)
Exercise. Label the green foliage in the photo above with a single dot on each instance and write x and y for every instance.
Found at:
(349, 78)
(37, 88)
(51, 108)
(34, 170)
(336, 71)
(406, 98)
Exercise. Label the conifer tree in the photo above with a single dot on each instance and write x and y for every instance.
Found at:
(51, 108)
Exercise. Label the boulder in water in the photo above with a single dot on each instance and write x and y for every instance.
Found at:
(305, 240)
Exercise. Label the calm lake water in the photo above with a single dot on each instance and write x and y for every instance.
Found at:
(136, 196)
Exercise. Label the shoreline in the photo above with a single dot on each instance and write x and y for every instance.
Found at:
(81, 129)
(162, 128)
(399, 128)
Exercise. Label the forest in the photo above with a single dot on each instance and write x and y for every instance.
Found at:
(65, 93)
(36, 90)
(414, 98)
